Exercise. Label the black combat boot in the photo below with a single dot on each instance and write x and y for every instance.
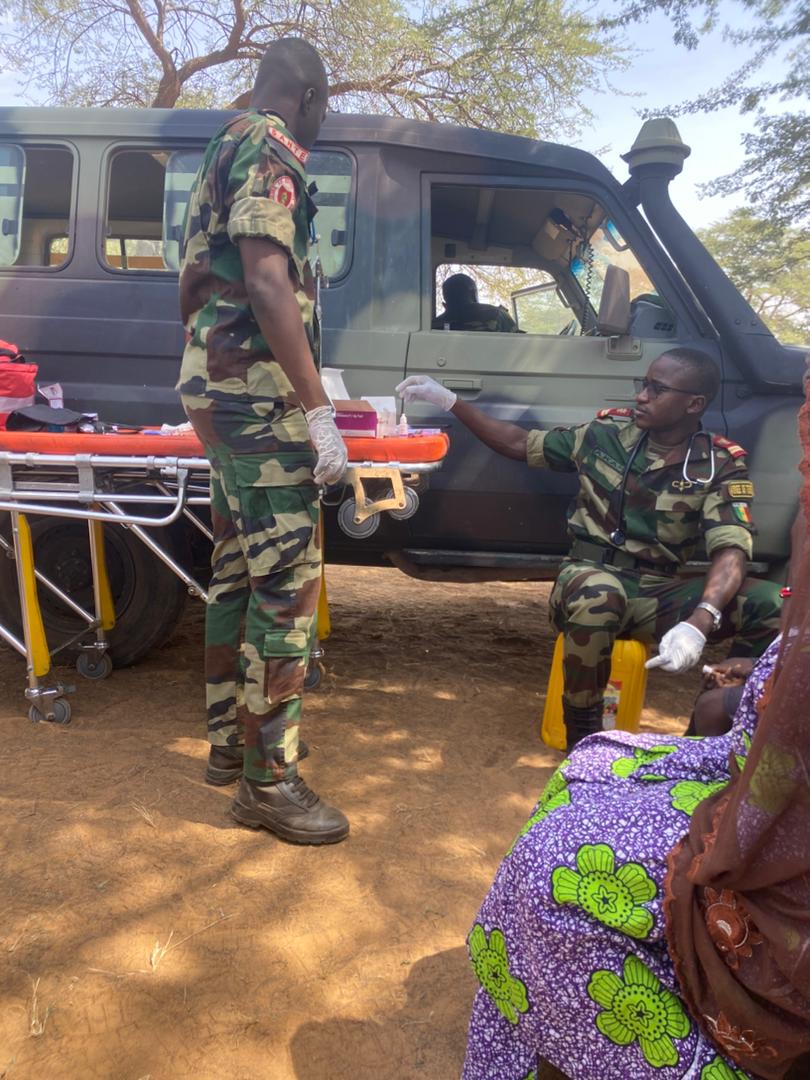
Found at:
(225, 763)
(289, 809)
(580, 722)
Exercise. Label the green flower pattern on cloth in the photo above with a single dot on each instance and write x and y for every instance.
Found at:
(740, 758)
(613, 896)
(637, 1007)
(719, 1070)
(687, 794)
(627, 766)
(555, 794)
(491, 965)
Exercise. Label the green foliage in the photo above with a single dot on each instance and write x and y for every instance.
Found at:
(513, 65)
(776, 172)
(770, 265)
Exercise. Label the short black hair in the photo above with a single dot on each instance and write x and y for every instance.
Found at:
(457, 289)
(289, 67)
(703, 371)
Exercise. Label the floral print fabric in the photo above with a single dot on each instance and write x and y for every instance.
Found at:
(569, 946)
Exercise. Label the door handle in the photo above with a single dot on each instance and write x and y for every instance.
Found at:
(462, 384)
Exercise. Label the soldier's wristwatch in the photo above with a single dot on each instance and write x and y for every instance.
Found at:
(717, 616)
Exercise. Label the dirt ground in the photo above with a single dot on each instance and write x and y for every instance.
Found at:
(146, 936)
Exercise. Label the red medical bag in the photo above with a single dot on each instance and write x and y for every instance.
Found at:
(17, 381)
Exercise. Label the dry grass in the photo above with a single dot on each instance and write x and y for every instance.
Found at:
(37, 1020)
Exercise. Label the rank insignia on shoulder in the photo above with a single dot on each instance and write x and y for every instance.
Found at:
(603, 414)
(740, 489)
(722, 443)
(742, 512)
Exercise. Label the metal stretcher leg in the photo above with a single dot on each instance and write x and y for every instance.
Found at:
(323, 628)
(93, 662)
(47, 703)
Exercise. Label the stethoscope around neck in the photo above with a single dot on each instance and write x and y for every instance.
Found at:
(618, 536)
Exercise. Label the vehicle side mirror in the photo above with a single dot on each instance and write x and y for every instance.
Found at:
(613, 319)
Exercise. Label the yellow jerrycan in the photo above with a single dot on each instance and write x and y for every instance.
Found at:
(624, 694)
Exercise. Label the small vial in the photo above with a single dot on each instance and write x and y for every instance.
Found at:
(402, 429)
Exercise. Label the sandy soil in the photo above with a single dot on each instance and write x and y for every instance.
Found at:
(145, 936)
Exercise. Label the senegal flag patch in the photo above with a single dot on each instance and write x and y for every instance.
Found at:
(742, 513)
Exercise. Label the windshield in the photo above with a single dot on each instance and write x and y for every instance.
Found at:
(608, 248)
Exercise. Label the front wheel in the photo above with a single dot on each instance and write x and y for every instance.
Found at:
(60, 713)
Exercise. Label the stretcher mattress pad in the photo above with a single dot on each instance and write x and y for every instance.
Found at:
(399, 448)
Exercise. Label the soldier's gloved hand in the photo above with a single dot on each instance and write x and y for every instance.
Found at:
(423, 388)
(679, 649)
(329, 445)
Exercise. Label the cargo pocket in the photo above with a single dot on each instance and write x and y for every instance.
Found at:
(286, 653)
(677, 518)
(279, 525)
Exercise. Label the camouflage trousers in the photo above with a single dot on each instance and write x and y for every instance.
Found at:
(591, 605)
(263, 595)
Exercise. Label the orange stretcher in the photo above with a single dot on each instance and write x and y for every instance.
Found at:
(145, 481)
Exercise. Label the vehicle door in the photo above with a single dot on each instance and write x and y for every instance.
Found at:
(544, 247)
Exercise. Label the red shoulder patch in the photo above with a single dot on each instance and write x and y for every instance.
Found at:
(722, 443)
(282, 191)
(604, 413)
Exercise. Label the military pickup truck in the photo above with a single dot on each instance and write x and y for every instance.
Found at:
(606, 276)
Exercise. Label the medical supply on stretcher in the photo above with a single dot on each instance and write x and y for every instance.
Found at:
(146, 482)
(624, 694)
(355, 418)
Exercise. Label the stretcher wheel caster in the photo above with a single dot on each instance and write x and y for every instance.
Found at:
(94, 666)
(346, 521)
(410, 507)
(60, 709)
(314, 676)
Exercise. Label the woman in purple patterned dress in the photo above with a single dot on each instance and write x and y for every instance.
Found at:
(569, 944)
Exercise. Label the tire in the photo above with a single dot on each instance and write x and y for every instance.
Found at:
(149, 599)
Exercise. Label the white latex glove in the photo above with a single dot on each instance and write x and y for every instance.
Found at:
(423, 388)
(679, 649)
(329, 445)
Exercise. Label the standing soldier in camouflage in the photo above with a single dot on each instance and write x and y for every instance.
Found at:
(251, 389)
(463, 312)
(652, 483)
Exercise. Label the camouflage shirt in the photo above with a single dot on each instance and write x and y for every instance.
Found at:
(664, 516)
(252, 183)
(476, 317)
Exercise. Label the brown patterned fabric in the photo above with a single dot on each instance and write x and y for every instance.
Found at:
(738, 885)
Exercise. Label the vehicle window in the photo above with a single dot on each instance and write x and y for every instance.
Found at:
(134, 238)
(181, 169)
(331, 171)
(542, 309)
(607, 248)
(530, 297)
(36, 185)
(148, 199)
(540, 253)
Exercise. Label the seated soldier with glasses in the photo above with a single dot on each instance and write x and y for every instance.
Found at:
(652, 485)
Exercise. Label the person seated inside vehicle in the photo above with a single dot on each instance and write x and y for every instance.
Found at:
(462, 310)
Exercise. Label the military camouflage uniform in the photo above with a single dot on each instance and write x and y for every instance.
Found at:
(602, 591)
(476, 317)
(264, 504)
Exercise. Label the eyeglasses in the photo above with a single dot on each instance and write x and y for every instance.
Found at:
(655, 388)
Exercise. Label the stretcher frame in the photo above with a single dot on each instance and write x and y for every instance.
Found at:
(116, 489)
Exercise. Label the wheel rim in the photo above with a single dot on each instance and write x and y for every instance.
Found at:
(62, 554)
